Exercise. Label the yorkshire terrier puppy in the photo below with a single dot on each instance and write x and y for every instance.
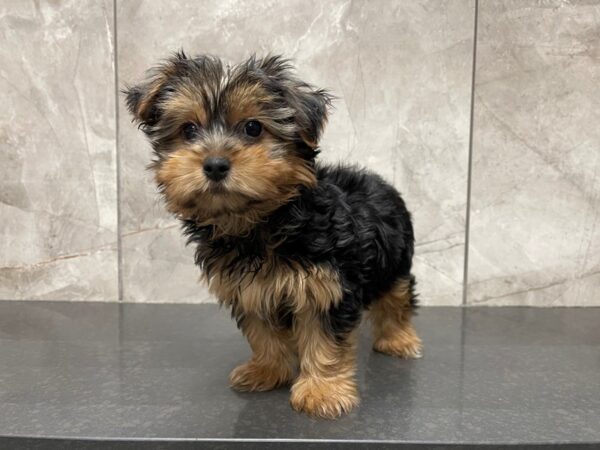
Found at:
(296, 249)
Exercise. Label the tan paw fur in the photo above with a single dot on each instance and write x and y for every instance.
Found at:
(407, 347)
(326, 398)
(252, 376)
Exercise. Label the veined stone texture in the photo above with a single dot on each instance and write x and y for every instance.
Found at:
(535, 203)
(58, 196)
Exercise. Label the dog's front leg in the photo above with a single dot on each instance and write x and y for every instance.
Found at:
(326, 386)
(273, 357)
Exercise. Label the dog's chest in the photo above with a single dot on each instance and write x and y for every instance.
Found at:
(276, 283)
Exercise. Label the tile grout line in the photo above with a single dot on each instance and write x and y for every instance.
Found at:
(470, 159)
(118, 157)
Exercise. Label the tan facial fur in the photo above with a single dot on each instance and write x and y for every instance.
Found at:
(244, 101)
(263, 175)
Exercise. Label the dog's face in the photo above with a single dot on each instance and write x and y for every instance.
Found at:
(229, 142)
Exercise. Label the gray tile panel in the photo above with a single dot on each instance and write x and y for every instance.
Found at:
(495, 376)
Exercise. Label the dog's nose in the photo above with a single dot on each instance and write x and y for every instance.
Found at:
(216, 168)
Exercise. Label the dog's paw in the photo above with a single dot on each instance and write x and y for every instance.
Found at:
(403, 347)
(326, 398)
(252, 376)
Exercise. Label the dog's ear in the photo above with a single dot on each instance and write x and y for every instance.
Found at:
(310, 106)
(142, 99)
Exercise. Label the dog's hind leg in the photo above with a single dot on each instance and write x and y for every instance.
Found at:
(391, 317)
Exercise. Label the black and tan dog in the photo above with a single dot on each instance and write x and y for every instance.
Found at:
(296, 249)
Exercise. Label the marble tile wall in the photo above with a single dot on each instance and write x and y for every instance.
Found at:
(58, 195)
(402, 72)
(535, 192)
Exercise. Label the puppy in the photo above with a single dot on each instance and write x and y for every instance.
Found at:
(296, 249)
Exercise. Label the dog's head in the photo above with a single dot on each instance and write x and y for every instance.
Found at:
(231, 144)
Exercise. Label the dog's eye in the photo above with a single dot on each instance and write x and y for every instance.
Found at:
(190, 130)
(253, 128)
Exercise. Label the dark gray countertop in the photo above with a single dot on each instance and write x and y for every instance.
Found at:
(155, 376)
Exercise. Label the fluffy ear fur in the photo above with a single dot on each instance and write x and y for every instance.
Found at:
(142, 99)
(310, 105)
(312, 108)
